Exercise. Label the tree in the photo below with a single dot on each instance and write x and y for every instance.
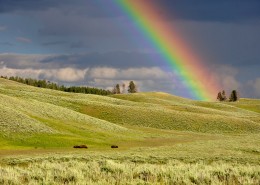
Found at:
(118, 89)
(219, 97)
(114, 90)
(132, 87)
(223, 94)
(233, 96)
(123, 88)
(52, 85)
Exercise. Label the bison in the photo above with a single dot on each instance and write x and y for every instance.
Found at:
(80, 146)
(114, 146)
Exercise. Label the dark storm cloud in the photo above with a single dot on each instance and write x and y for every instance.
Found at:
(81, 7)
(199, 10)
(54, 43)
(117, 59)
(72, 45)
(223, 43)
(79, 44)
(25, 5)
(210, 10)
(6, 44)
(57, 24)
(92, 38)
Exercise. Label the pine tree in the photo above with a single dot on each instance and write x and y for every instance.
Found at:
(223, 94)
(132, 87)
(118, 89)
(123, 88)
(219, 97)
(233, 96)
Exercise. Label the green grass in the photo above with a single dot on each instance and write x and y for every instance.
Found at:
(28, 114)
(202, 161)
(197, 162)
(162, 138)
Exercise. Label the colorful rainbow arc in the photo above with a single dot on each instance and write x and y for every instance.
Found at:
(172, 49)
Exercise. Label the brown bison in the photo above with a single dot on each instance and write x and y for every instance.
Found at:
(80, 146)
(114, 146)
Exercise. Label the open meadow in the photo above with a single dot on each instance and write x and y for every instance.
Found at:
(162, 139)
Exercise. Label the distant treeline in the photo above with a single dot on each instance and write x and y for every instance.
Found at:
(52, 85)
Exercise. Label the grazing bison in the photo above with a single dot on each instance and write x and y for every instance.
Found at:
(80, 146)
(114, 146)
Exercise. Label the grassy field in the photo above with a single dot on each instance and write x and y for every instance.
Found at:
(162, 139)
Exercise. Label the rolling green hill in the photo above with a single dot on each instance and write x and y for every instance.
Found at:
(33, 117)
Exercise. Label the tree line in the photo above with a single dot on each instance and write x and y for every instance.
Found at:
(232, 98)
(74, 89)
(55, 86)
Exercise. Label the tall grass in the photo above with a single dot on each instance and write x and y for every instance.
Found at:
(89, 170)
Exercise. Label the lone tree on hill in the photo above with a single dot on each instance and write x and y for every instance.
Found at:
(118, 89)
(219, 97)
(132, 87)
(123, 88)
(233, 96)
(223, 94)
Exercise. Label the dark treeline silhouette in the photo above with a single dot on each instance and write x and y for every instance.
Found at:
(52, 85)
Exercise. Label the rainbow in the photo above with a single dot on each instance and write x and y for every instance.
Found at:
(197, 80)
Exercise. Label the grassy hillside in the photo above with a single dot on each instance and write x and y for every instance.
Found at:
(183, 114)
(32, 117)
(162, 139)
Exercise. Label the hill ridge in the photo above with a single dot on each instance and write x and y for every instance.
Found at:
(100, 120)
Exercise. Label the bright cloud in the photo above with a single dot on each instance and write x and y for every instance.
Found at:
(147, 79)
(63, 74)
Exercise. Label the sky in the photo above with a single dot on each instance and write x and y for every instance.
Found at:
(93, 43)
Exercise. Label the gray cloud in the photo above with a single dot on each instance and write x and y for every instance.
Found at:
(79, 7)
(6, 44)
(62, 75)
(199, 10)
(3, 28)
(65, 69)
(148, 79)
(22, 61)
(151, 73)
(23, 39)
(79, 44)
(104, 42)
(72, 44)
(254, 86)
(25, 5)
(57, 23)
(117, 59)
(205, 10)
(54, 43)
(228, 78)
(222, 43)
